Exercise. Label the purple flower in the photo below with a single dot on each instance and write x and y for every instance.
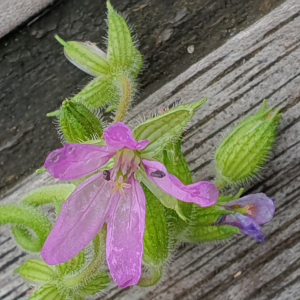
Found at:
(250, 212)
(113, 196)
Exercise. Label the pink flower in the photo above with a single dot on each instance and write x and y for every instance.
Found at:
(113, 196)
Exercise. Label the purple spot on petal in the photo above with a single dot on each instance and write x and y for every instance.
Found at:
(158, 174)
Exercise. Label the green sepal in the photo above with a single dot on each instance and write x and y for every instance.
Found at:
(25, 218)
(36, 270)
(156, 237)
(167, 200)
(162, 129)
(210, 233)
(151, 276)
(96, 285)
(73, 265)
(78, 123)
(243, 152)
(99, 92)
(47, 292)
(122, 52)
(49, 194)
(202, 216)
(176, 164)
(86, 56)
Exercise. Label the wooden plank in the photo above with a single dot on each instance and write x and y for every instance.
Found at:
(14, 12)
(35, 77)
(261, 62)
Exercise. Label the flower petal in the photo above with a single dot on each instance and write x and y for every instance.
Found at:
(203, 193)
(119, 136)
(124, 244)
(75, 161)
(264, 207)
(81, 217)
(247, 225)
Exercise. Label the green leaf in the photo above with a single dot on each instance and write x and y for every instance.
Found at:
(151, 276)
(49, 194)
(36, 270)
(210, 233)
(156, 238)
(26, 218)
(122, 52)
(86, 56)
(162, 129)
(99, 92)
(96, 285)
(47, 292)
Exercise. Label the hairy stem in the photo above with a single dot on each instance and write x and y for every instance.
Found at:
(127, 92)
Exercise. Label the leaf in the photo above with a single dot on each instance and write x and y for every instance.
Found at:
(156, 237)
(36, 270)
(162, 129)
(122, 52)
(86, 56)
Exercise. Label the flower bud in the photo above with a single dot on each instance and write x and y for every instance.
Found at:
(243, 152)
(78, 123)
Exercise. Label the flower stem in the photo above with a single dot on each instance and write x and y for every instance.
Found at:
(127, 92)
(152, 278)
(91, 270)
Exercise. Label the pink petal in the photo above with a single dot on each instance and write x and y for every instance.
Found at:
(124, 245)
(74, 161)
(81, 218)
(119, 136)
(203, 193)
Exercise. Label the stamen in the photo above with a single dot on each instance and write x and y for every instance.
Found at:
(158, 174)
(251, 209)
(119, 186)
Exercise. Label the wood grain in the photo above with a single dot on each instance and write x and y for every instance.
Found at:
(262, 62)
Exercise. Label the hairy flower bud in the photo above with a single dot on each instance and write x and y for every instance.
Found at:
(243, 152)
(78, 123)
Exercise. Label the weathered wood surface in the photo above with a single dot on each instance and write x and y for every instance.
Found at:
(35, 76)
(14, 12)
(261, 62)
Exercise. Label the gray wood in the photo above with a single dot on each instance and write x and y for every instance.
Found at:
(261, 62)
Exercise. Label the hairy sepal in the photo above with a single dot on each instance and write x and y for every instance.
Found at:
(243, 152)
(78, 123)
(36, 270)
(210, 233)
(156, 237)
(122, 53)
(86, 56)
(162, 129)
(99, 92)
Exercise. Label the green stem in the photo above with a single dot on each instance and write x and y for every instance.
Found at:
(90, 271)
(49, 194)
(25, 218)
(127, 92)
(152, 278)
(220, 183)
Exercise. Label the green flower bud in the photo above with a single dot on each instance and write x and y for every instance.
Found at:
(78, 123)
(243, 152)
